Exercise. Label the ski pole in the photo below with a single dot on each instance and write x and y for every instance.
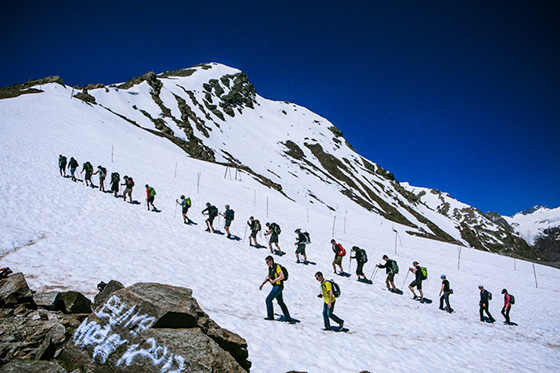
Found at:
(372, 273)
(405, 277)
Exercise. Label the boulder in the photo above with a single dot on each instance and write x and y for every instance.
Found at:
(75, 302)
(31, 366)
(14, 290)
(105, 292)
(49, 300)
(153, 327)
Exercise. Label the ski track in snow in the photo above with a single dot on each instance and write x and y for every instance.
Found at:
(81, 236)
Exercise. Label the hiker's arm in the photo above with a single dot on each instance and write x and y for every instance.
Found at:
(330, 298)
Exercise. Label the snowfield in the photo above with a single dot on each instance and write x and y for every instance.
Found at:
(64, 235)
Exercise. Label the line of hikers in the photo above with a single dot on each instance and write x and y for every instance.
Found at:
(87, 167)
(277, 273)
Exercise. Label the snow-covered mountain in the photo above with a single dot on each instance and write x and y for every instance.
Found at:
(213, 113)
(532, 223)
(289, 166)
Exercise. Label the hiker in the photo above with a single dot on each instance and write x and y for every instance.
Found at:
(228, 215)
(302, 240)
(485, 297)
(150, 196)
(115, 179)
(185, 204)
(273, 231)
(339, 253)
(212, 212)
(417, 281)
(62, 165)
(391, 270)
(330, 300)
(129, 184)
(88, 168)
(445, 297)
(276, 278)
(361, 258)
(102, 171)
(255, 227)
(507, 306)
(72, 165)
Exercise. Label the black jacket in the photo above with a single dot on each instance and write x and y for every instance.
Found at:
(484, 296)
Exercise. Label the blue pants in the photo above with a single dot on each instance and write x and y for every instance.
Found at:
(276, 292)
(328, 313)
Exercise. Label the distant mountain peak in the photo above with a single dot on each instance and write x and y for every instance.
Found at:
(533, 209)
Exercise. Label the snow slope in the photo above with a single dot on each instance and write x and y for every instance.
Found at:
(531, 224)
(63, 235)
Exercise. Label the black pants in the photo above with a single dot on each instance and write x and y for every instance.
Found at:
(505, 312)
(360, 269)
(485, 309)
(445, 297)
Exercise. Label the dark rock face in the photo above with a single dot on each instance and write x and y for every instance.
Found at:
(30, 366)
(148, 327)
(75, 302)
(106, 292)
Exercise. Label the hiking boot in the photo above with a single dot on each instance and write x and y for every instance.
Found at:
(421, 300)
(207, 229)
(229, 236)
(327, 329)
(269, 318)
(341, 325)
(415, 297)
(297, 261)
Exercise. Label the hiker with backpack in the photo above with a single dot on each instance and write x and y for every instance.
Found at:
(212, 212)
(446, 290)
(301, 240)
(115, 179)
(328, 294)
(508, 301)
(485, 298)
(228, 215)
(361, 258)
(417, 270)
(391, 269)
(128, 184)
(150, 196)
(102, 171)
(276, 277)
(255, 227)
(339, 253)
(273, 231)
(185, 204)
(88, 168)
(62, 165)
(72, 165)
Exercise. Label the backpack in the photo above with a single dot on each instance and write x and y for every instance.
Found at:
(275, 228)
(188, 201)
(511, 299)
(88, 167)
(423, 273)
(103, 172)
(341, 251)
(5, 272)
(307, 238)
(489, 295)
(212, 211)
(152, 192)
(335, 288)
(364, 255)
(395, 268)
(115, 177)
(230, 214)
(285, 271)
(258, 226)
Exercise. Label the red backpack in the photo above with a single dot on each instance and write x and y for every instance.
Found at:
(341, 251)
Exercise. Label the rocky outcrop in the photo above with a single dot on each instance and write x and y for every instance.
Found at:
(144, 328)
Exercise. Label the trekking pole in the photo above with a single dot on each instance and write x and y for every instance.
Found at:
(373, 274)
(405, 277)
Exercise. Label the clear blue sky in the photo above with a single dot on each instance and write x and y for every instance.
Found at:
(463, 96)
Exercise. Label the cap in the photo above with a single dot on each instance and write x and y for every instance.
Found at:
(297, 230)
(182, 196)
(504, 291)
(442, 276)
(354, 248)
